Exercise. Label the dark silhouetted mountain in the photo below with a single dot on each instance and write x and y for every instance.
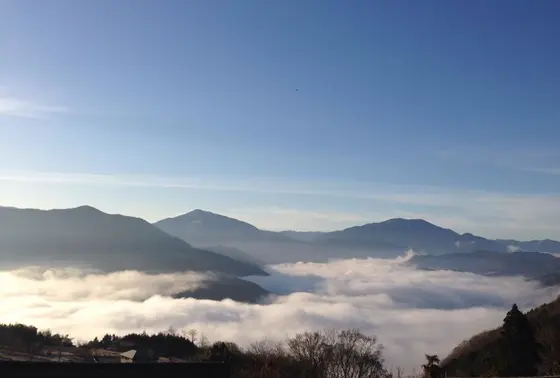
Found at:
(533, 265)
(88, 238)
(103, 241)
(402, 234)
(200, 227)
(227, 288)
(386, 239)
(206, 230)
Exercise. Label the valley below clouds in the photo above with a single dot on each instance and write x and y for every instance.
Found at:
(412, 312)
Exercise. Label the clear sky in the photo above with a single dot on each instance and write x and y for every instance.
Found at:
(291, 114)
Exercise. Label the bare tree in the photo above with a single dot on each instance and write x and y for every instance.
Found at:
(270, 359)
(356, 355)
(171, 331)
(399, 373)
(192, 334)
(344, 354)
(266, 348)
(203, 341)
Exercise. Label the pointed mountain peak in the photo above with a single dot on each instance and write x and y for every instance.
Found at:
(86, 208)
(410, 222)
(208, 219)
(200, 212)
(85, 211)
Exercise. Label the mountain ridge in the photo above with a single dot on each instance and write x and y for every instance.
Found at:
(85, 237)
(391, 221)
(83, 225)
(210, 231)
(205, 229)
(538, 266)
(386, 239)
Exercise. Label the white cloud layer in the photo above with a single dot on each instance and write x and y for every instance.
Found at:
(412, 312)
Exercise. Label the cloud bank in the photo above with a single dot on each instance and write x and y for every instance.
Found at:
(412, 312)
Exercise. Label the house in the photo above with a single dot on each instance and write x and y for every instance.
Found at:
(135, 356)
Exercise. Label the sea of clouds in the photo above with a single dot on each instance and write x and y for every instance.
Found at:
(412, 312)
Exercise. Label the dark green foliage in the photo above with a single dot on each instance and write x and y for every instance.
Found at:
(525, 345)
(432, 369)
(162, 344)
(29, 339)
(521, 351)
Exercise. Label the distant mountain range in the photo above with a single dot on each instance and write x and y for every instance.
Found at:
(390, 238)
(551, 246)
(539, 266)
(202, 241)
(86, 237)
(416, 234)
(207, 230)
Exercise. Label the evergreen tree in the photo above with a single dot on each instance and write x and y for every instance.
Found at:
(520, 346)
(432, 368)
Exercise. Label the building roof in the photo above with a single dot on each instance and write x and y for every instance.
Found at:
(129, 354)
(137, 355)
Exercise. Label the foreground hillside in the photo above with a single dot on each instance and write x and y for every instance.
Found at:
(342, 354)
(485, 353)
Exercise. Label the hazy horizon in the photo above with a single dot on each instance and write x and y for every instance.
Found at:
(271, 229)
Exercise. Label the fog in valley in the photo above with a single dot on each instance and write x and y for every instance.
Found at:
(412, 312)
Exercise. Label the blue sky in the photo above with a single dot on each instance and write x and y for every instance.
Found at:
(292, 114)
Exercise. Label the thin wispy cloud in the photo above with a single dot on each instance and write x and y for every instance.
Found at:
(20, 108)
(409, 194)
(533, 160)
